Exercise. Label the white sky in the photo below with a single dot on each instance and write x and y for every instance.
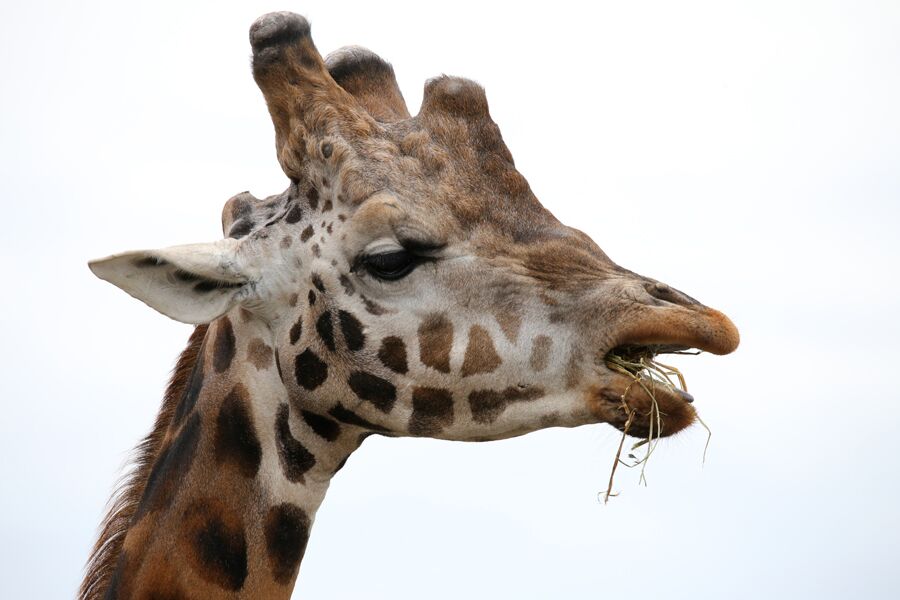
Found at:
(746, 153)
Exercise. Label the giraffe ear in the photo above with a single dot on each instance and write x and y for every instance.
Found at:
(193, 283)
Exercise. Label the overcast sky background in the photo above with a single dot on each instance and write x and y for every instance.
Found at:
(746, 153)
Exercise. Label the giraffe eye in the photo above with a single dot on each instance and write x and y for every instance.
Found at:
(390, 265)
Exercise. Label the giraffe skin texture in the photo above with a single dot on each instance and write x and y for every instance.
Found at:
(406, 283)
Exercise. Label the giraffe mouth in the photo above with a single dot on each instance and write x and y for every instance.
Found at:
(643, 396)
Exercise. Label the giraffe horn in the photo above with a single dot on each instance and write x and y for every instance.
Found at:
(371, 80)
(455, 97)
(306, 104)
(455, 111)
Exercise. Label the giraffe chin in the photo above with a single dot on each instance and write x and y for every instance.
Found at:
(608, 402)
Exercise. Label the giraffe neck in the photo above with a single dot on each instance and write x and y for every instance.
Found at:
(230, 500)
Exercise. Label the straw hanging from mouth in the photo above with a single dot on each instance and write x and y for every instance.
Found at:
(646, 372)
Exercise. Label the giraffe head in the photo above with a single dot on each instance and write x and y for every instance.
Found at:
(409, 280)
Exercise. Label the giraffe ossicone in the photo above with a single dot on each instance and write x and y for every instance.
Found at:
(406, 283)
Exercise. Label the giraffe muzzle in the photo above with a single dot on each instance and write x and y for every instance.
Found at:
(656, 319)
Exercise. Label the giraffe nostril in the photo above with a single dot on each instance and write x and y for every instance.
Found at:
(660, 291)
(666, 293)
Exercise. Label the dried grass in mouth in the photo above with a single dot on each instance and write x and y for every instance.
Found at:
(640, 365)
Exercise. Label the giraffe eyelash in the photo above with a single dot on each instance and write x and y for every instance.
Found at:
(390, 265)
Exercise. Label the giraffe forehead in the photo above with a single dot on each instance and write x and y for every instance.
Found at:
(470, 200)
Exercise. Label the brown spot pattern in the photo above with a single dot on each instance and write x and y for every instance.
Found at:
(295, 214)
(170, 468)
(435, 342)
(481, 356)
(573, 370)
(295, 459)
(191, 391)
(297, 329)
(392, 354)
(287, 533)
(510, 323)
(487, 405)
(432, 411)
(373, 308)
(325, 328)
(345, 415)
(540, 352)
(352, 330)
(224, 345)
(260, 354)
(235, 440)
(323, 427)
(348, 286)
(380, 392)
(309, 370)
(213, 542)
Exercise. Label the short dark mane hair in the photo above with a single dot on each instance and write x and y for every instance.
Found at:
(125, 499)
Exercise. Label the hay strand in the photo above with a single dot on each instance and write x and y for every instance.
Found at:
(647, 372)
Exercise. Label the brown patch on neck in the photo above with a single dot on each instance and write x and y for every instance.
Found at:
(224, 345)
(260, 354)
(214, 543)
(101, 564)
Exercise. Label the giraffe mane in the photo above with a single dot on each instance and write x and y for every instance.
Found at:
(125, 499)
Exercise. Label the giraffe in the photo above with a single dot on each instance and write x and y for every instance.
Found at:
(406, 283)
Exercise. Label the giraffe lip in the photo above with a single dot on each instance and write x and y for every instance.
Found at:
(652, 349)
(657, 409)
(675, 328)
(671, 330)
(631, 388)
